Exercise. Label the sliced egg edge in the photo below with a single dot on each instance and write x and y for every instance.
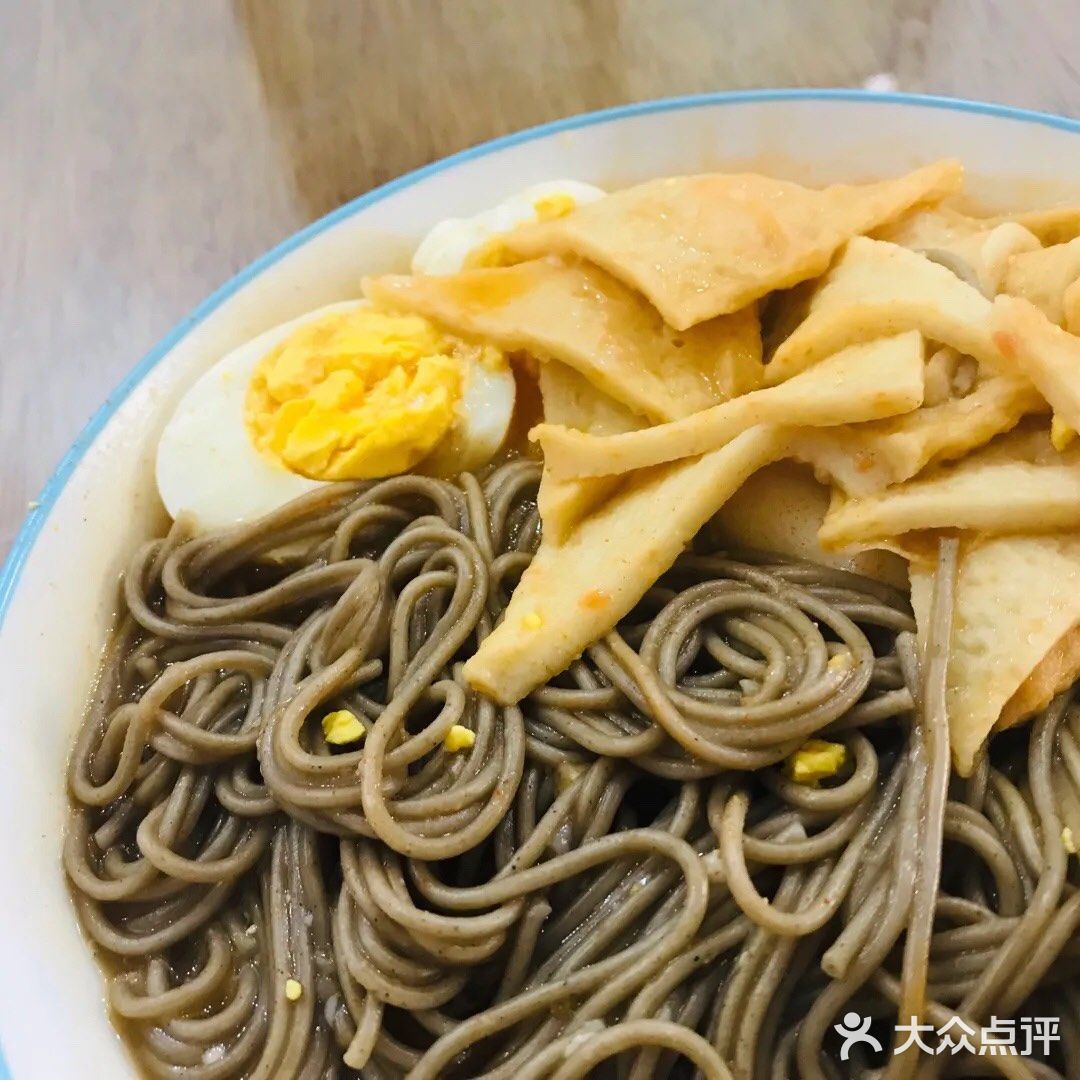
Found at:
(482, 419)
(207, 468)
(448, 245)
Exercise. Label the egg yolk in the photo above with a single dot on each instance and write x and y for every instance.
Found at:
(459, 738)
(342, 727)
(549, 207)
(355, 395)
(815, 761)
(494, 252)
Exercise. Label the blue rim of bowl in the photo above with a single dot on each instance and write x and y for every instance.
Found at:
(54, 486)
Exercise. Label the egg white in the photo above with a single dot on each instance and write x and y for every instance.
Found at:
(209, 469)
(482, 420)
(207, 466)
(448, 245)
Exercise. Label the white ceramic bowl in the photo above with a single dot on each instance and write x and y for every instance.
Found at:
(58, 589)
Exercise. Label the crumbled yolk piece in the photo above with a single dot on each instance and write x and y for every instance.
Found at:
(355, 395)
(293, 990)
(493, 252)
(342, 727)
(816, 760)
(1060, 433)
(1068, 840)
(459, 738)
(549, 207)
(842, 661)
(533, 621)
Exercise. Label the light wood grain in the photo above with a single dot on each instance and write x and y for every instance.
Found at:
(150, 149)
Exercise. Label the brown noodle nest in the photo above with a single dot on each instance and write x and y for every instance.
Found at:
(617, 874)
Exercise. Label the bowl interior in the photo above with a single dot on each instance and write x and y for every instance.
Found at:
(58, 592)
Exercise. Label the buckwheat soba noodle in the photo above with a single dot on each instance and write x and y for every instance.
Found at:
(616, 876)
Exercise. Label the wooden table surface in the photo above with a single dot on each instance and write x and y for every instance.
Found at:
(149, 148)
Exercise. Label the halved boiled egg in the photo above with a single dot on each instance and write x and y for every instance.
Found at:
(458, 243)
(346, 392)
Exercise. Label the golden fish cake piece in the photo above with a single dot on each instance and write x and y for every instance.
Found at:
(1046, 278)
(583, 317)
(580, 588)
(863, 459)
(864, 382)
(1016, 598)
(934, 227)
(1070, 306)
(1034, 348)
(708, 245)
(977, 250)
(1053, 225)
(1057, 671)
(1001, 245)
(1018, 484)
(877, 289)
(570, 399)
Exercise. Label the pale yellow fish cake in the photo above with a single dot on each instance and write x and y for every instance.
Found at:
(934, 227)
(863, 459)
(877, 289)
(701, 246)
(1054, 225)
(585, 318)
(563, 503)
(1016, 597)
(1044, 277)
(1003, 243)
(570, 399)
(865, 382)
(1070, 305)
(1055, 672)
(979, 251)
(1033, 347)
(574, 592)
(1018, 484)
